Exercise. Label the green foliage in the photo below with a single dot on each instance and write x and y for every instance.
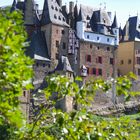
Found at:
(78, 124)
(15, 71)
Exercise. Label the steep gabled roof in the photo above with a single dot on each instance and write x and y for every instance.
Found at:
(64, 64)
(115, 24)
(132, 28)
(52, 13)
(38, 46)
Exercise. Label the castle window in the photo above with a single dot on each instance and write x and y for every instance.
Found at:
(87, 70)
(121, 62)
(94, 71)
(138, 60)
(88, 58)
(55, 16)
(111, 61)
(100, 71)
(88, 36)
(129, 61)
(57, 44)
(59, 18)
(98, 48)
(108, 48)
(98, 37)
(88, 25)
(100, 59)
(52, 7)
(107, 39)
(56, 56)
(63, 19)
(88, 18)
(64, 45)
(60, 10)
(56, 8)
(63, 32)
(24, 93)
(90, 46)
(139, 72)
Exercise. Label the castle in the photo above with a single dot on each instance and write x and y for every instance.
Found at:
(81, 41)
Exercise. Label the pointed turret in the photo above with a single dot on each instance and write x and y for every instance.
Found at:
(115, 30)
(52, 13)
(115, 24)
(75, 15)
(13, 8)
(80, 17)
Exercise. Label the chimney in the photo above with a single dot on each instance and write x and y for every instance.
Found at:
(71, 7)
(59, 2)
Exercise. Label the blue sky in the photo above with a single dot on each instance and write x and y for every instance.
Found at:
(123, 8)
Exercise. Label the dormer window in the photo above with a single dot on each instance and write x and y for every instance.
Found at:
(88, 18)
(59, 18)
(56, 8)
(55, 16)
(63, 19)
(52, 7)
(88, 25)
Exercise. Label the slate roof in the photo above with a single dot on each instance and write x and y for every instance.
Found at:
(38, 47)
(114, 24)
(52, 13)
(132, 27)
(93, 17)
(21, 5)
(64, 64)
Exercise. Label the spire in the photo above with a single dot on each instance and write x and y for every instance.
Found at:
(80, 17)
(114, 24)
(13, 8)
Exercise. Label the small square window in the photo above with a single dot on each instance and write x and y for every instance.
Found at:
(94, 71)
(100, 71)
(90, 46)
(111, 61)
(108, 48)
(88, 58)
(129, 61)
(121, 62)
(98, 38)
(100, 59)
(57, 44)
(63, 32)
(24, 93)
